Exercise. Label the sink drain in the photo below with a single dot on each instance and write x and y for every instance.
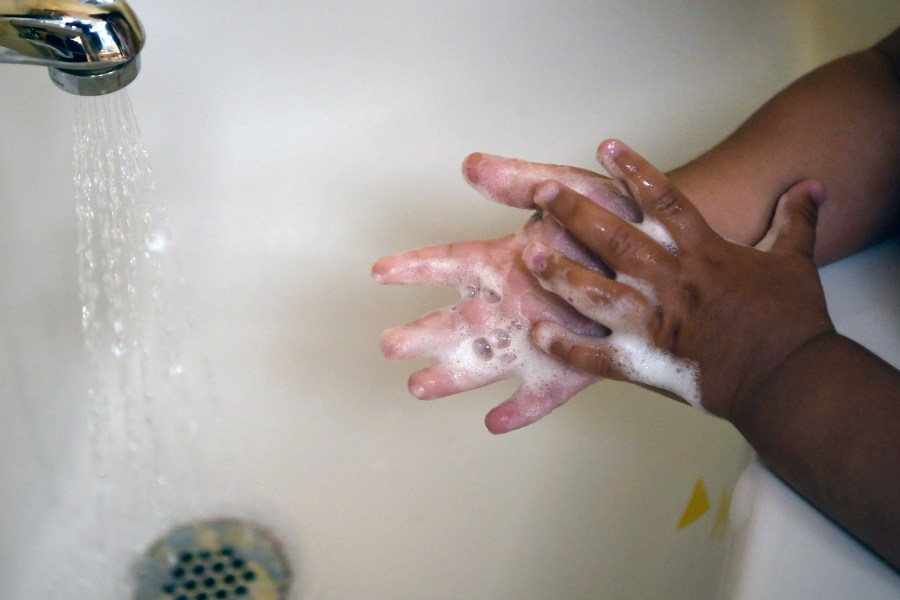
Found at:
(223, 559)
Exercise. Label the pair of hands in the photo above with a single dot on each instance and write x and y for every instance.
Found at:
(618, 278)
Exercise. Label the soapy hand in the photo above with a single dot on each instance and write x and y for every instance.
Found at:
(486, 336)
(690, 313)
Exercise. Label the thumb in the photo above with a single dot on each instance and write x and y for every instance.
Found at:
(793, 227)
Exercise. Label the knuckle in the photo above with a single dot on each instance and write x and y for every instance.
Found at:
(565, 208)
(672, 339)
(597, 295)
(667, 202)
(690, 297)
(557, 276)
(660, 328)
(621, 241)
(590, 359)
(666, 329)
(656, 321)
(594, 362)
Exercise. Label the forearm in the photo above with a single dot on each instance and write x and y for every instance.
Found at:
(839, 124)
(828, 423)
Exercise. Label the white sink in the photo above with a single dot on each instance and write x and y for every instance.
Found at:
(293, 143)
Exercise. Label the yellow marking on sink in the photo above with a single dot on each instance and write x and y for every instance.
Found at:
(697, 505)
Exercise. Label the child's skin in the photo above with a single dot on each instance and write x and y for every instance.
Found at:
(485, 337)
(499, 294)
(694, 290)
(822, 412)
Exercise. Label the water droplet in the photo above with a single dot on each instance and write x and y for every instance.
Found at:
(500, 338)
(470, 292)
(482, 349)
(157, 242)
(490, 296)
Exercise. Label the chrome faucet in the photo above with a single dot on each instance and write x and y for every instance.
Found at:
(91, 47)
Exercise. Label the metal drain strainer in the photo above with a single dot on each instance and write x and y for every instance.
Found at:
(222, 559)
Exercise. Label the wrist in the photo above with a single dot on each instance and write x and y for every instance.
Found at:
(794, 377)
(827, 422)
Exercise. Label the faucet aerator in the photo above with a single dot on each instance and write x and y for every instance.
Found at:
(96, 83)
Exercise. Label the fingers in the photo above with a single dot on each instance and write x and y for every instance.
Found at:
(511, 181)
(526, 406)
(443, 380)
(658, 197)
(445, 264)
(588, 354)
(593, 295)
(430, 336)
(622, 246)
(627, 357)
(793, 227)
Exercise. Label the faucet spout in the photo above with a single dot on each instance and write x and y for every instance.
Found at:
(91, 47)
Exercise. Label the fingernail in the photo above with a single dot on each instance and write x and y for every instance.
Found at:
(535, 257)
(470, 167)
(817, 193)
(546, 193)
(609, 149)
(607, 154)
(379, 270)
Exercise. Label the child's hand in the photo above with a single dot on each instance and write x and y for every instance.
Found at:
(690, 313)
(486, 336)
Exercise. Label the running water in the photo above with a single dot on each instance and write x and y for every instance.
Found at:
(150, 424)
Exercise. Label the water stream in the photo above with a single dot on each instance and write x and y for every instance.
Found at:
(152, 419)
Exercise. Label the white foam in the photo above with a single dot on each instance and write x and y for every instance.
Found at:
(658, 232)
(642, 362)
(644, 287)
(478, 355)
(468, 358)
(507, 334)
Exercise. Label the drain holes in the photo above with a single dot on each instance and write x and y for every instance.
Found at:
(209, 575)
(220, 559)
